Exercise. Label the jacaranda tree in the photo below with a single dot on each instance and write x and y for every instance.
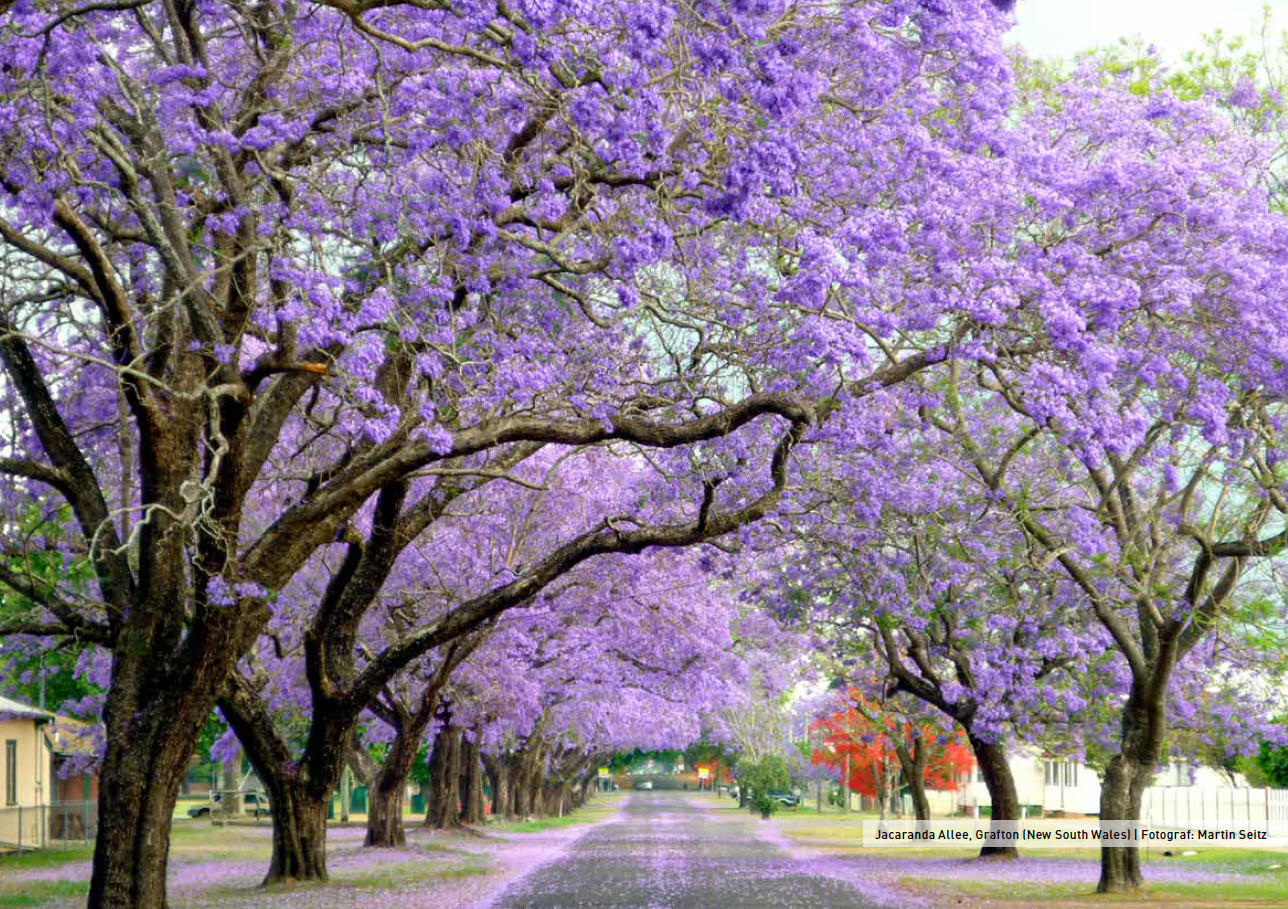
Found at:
(279, 276)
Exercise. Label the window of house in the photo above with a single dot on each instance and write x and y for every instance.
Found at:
(1059, 773)
(11, 772)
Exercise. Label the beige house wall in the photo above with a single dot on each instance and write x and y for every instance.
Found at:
(35, 758)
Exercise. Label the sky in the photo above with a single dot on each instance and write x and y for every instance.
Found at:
(1061, 28)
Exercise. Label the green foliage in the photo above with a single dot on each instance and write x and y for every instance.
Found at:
(1273, 762)
(58, 667)
(204, 767)
(707, 753)
(664, 760)
(763, 777)
(763, 804)
(1250, 767)
(420, 767)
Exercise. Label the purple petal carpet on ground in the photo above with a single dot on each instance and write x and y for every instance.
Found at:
(675, 852)
(356, 873)
(668, 842)
(878, 877)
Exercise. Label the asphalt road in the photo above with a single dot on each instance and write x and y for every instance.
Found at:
(666, 852)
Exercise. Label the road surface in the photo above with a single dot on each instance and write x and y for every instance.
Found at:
(666, 851)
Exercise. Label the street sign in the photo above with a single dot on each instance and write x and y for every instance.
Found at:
(603, 771)
(704, 773)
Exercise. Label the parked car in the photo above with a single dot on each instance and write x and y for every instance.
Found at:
(255, 806)
(253, 803)
(783, 797)
(646, 784)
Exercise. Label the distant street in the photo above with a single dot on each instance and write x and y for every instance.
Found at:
(667, 852)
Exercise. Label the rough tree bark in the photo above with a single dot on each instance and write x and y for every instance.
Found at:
(472, 782)
(299, 831)
(498, 769)
(991, 757)
(912, 761)
(444, 808)
(535, 772)
(1127, 775)
(519, 788)
(384, 818)
(298, 798)
(139, 785)
(385, 798)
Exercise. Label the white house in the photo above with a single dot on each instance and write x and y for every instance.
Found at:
(1064, 786)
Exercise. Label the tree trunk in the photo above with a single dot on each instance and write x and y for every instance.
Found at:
(490, 771)
(444, 809)
(502, 794)
(585, 788)
(1120, 800)
(471, 782)
(913, 764)
(531, 779)
(385, 792)
(384, 817)
(299, 833)
(879, 784)
(519, 797)
(298, 794)
(920, 801)
(138, 786)
(1126, 777)
(153, 715)
(554, 798)
(991, 757)
(536, 789)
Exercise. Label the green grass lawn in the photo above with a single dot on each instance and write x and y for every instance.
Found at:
(199, 841)
(1260, 884)
(44, 858)
(38, 893)
(598, 809)
(447, 858)
(1010, 894)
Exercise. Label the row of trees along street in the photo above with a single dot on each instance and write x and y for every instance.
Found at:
(477, 389)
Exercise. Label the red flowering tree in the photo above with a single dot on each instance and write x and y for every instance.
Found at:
(873, 746)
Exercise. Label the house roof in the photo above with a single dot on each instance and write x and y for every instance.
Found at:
(74, 737)
(11, 709)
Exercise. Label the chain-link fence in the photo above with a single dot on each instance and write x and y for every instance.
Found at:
(60, 824)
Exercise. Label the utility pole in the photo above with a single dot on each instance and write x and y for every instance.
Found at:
(346, 783)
